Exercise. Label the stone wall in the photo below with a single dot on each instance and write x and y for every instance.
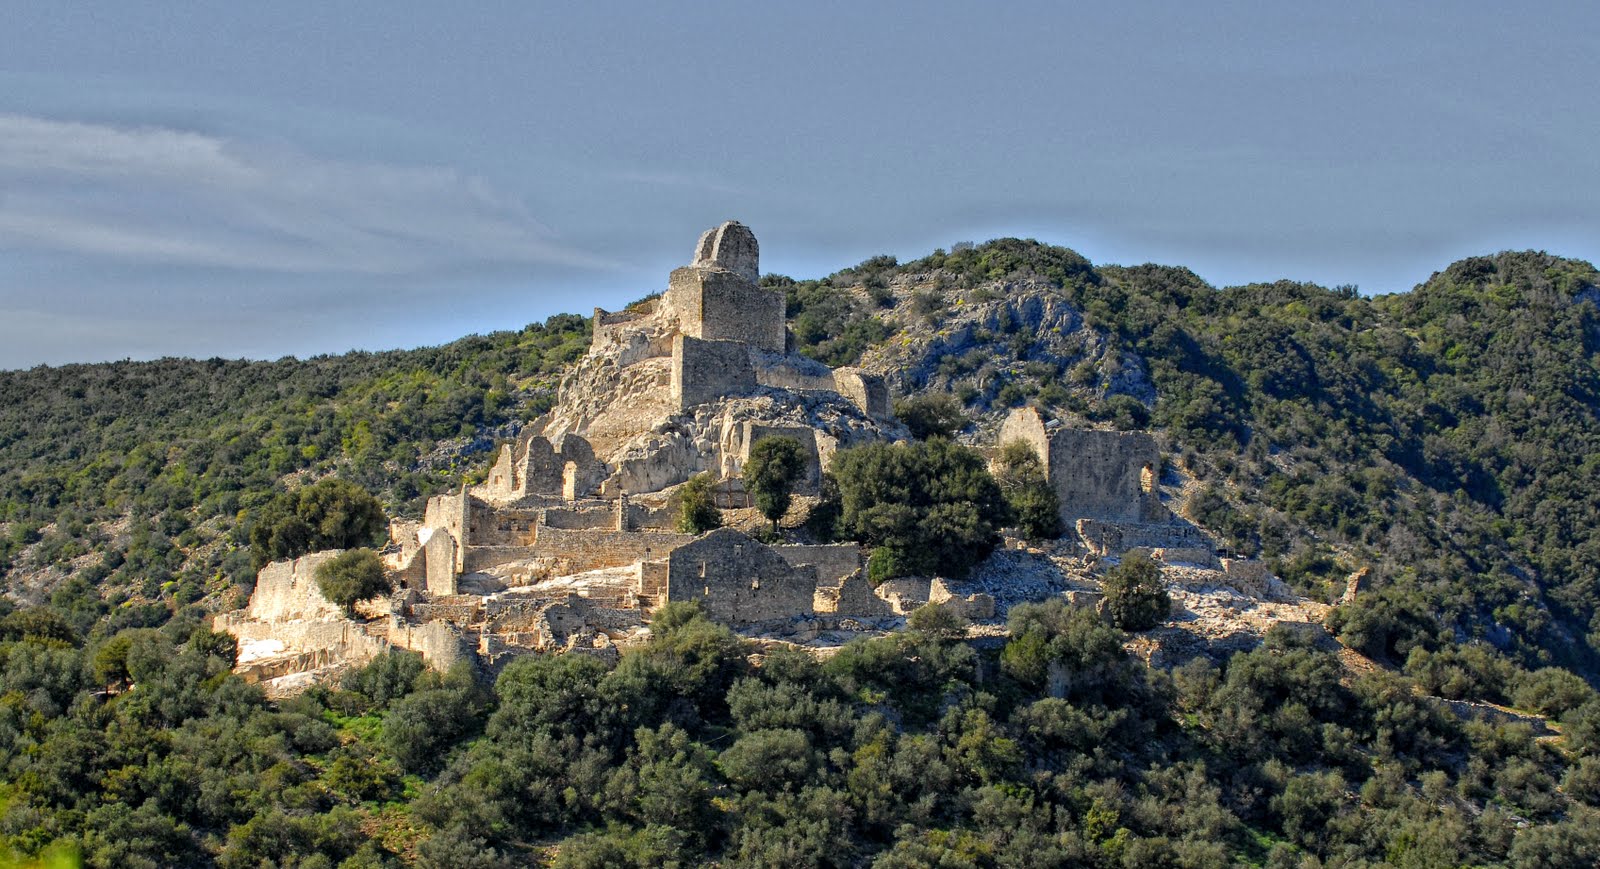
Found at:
(716, 305)
(1105, 475)
(441, 553)
(855, 597)
(607, 325)
(663, 517)
(795, 373)
(739, 580)
(287, 590)
(440, 645)
(1116, 538)
(866, 391)
(453, 513)
(579, 551)
(572, 518)
(705, 371)
(833, 561)
(751, 434)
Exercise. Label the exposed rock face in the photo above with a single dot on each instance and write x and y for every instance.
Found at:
(983, 335)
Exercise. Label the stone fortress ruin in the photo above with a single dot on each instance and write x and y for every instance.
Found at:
(571, 542)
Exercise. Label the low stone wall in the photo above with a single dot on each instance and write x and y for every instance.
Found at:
(644, 517)
(579, 551)
(577, 519)
(905, 593)
(854, 597)
(1116, 538)
(485, 557)
(782, 373)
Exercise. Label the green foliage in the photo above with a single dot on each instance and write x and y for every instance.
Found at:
(937, 620)
(931, 414)
(1135, 596)
(775, 465)
(183, 449)
(328, 514)
(931, 504)
(1032, 499)
(350, 577)
(385, 678)
(1440, 436)
(697, 506)
(831, 324)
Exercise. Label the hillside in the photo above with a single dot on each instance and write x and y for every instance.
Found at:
(1441, 444)
(1447, 438)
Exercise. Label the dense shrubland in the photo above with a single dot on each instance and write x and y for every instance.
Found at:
(138, 748)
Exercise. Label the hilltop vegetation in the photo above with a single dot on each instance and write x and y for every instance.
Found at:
(1445, 440)
(134, 475)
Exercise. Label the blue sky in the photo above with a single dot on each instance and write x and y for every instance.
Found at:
(260, 180)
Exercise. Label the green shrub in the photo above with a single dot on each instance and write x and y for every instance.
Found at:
(775, 465)
(932, 504)
(1135, 597)
(697, 507)
(352, 576)
(328, 514)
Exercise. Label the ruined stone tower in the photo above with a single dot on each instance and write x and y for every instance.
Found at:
(716, 297)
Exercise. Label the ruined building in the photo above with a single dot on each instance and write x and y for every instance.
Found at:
(571, 541)
(1107, 483)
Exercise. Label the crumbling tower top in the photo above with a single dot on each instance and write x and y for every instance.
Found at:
(731, 246)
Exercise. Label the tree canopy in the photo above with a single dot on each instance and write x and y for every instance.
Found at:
(775, 465)
(352, 576)
(931, 506)
(328, 514)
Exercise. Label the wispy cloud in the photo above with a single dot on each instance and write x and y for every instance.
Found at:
(176, 197)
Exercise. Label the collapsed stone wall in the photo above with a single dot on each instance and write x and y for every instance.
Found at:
(833, 561)
(738, 580)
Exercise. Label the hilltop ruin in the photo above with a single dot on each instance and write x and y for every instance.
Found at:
(571, 542)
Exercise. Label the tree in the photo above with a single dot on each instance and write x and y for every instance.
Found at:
(775, 465)
(931, 505)
(328, 514)
(352, 576)
(697, 511)
(931, 414)
(1135, 597)
(1033, 501)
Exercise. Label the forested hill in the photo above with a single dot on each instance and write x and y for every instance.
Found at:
(1446, 441)
(1447, 437)
(133, 475)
